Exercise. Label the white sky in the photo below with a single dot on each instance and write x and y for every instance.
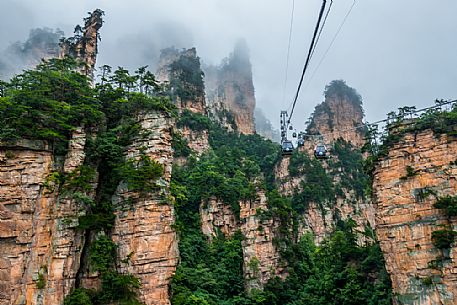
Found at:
(394, 52)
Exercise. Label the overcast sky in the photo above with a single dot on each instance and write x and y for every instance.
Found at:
(394, 52)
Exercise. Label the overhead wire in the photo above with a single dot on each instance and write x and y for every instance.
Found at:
(311, 47)
(322, 26)
(331, 43)
(288, 52)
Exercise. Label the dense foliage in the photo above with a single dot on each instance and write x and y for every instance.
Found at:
(442, 239)
(49, 104)
(52, 101)
(338, 272)
(339, 89)
(186, 77)
(317, 185)
(448, 204)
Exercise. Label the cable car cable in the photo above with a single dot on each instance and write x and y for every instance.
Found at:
(331, 44)
(288, 52)
(322, 27)
(311, 47)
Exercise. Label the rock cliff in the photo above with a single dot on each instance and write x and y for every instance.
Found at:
(144, 229)
(84, 44)
(40, 248)
(230, 91)
(338, 115)
(418, 169)
(261, 258)
(180, 69)
(340, 176)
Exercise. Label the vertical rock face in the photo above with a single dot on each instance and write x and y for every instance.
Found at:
(84, 45)
(337, 116)
(334, 119)
(197, 139)
(216, 215)
(143, 227)
(320, 219)
(405, 216)
(230, 90)
(42, 43)
(264, 127)
(181, 69)
(39, 249)
(261, 260)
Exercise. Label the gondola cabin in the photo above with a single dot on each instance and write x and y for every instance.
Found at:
(320, 152)
(300, 142)
(287, 147)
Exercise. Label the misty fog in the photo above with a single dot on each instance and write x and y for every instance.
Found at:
(393, 52)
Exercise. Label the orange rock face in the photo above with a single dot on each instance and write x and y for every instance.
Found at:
(143, 228)
(197, 140)
(85, 46)
(230, 91)
(166, 72)
(261, 260)
(405, 219)
(336, 118)
(39, 248)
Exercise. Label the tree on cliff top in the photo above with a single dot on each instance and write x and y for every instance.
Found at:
(340, 89)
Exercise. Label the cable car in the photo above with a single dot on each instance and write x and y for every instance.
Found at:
(320, 151)
(294, 135)
(287, 147)
(300, 142)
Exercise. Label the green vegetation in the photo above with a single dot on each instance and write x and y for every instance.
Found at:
(339, 89)
(338, 272)
(48, 104)
(141, 174)
(180, 146)
(440, 122)
(317, 185)
(443, 239)
(40, 282)
(448, 204)
(52, 101)
(350, 168)
(186, 78)
(195, 121)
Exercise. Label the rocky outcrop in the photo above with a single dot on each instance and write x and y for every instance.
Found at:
(84, 45)
(40, 249)
(143, 227)
(216, 216)
(339, 116)
(417, 166)
(180, 69)
(42, 43)
(197, 139)
(230, 90)
(261, 259)
(264, 127)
